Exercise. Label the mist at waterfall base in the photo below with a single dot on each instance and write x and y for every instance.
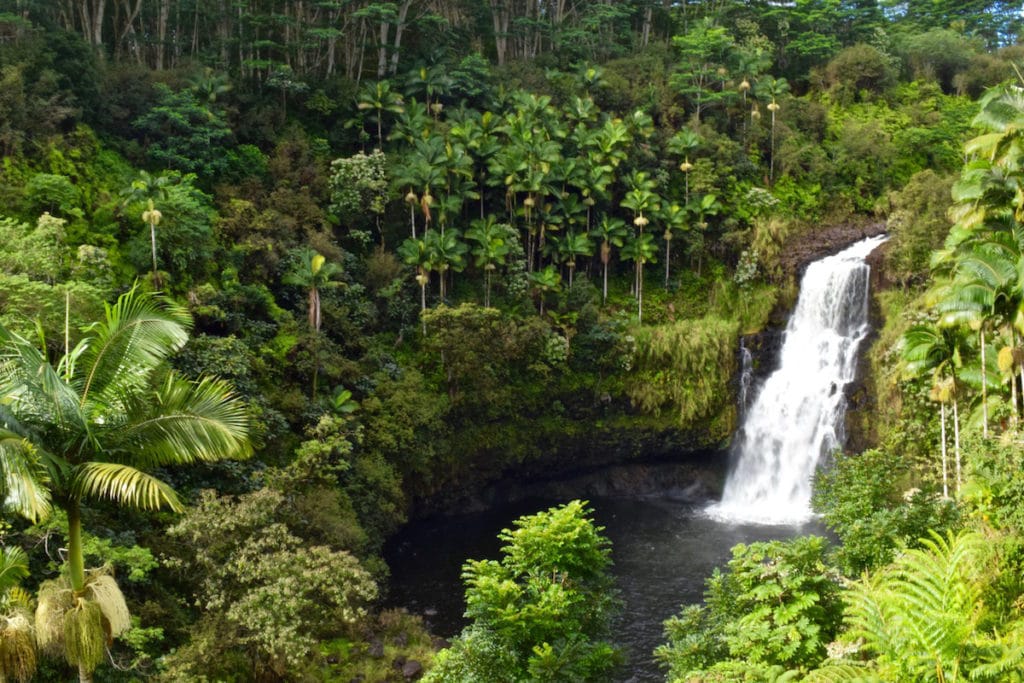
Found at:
(797, 417)
(664, 545)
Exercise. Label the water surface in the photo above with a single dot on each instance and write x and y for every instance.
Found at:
(663, 549)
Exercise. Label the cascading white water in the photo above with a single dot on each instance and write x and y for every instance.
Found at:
(746, 377)
(798, 415)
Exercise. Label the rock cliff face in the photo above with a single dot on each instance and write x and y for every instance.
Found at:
(821, 243)
(633, 457)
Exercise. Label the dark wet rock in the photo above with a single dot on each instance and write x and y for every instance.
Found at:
(439, 643)
(813, 245)
(376, 649)
(412, 670)
(401, 640)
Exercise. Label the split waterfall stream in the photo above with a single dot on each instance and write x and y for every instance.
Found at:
(797, 417)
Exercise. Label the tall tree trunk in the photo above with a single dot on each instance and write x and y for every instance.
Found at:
(84, 675)
(500, 19)
(984, 386)
(1013, 401)
(382, 51)
(668, 252)
(152, 240)
(161, 33)
(956, 443)
(945, 467)
(99, 7)
(487, 289)
(403, 11)
(645, 33)
(423, 302)
(640, 291)
(605, 257)
(76, 557)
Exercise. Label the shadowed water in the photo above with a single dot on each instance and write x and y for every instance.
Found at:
(663, 548)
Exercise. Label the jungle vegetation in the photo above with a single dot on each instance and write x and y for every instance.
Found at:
(278, 275)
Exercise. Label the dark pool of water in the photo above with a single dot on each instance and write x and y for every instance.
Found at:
(663, 549)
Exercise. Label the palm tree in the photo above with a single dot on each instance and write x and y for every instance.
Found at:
(986, 287)
(88, 428)
(414, 253)
(572, 246)
(675, 218)
(937, 349)
(380, 98)
(149, 188)
(684, 143)
(446, 252)
(491, 248)
(313, 272)
(429, 82)
(640, 198)
(18, 654)
(772, 88)
(612, 233)
(640, 249)
(544, 281)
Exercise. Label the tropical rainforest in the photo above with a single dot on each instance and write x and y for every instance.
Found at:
(278, 276)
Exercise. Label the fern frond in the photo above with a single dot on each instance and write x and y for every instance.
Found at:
(842, 673)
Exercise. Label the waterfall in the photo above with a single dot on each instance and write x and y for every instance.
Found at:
(797, 417)
(746, 376)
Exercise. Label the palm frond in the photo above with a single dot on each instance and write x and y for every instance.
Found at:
(13, 567)
(24, 477)
(104, 591)
(124, 485)
(138, 334)
(31, 387)
(185, 422)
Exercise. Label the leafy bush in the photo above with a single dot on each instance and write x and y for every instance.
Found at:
(876, 507)
(540, 612)
(262, 590)
(775, 607)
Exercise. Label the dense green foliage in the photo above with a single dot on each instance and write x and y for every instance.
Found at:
(540, 612)
(775, 608)
(929, 521)
(429, 244)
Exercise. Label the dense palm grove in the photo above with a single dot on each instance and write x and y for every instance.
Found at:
(278, 275)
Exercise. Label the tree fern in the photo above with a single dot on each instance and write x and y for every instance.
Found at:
(922, 616)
